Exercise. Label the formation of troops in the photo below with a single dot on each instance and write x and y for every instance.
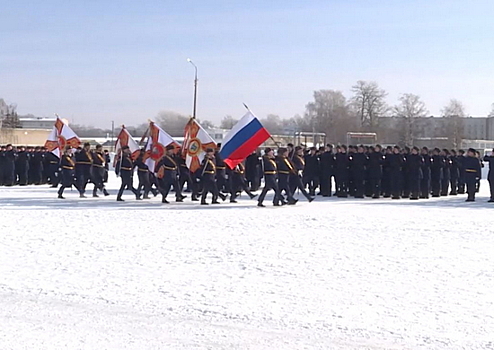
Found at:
(356, 171)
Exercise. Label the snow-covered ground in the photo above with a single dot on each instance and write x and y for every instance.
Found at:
(333, 274)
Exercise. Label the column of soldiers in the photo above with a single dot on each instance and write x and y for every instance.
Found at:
(371, 171)
(356, 171)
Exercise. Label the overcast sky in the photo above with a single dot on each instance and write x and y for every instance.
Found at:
(97, 61)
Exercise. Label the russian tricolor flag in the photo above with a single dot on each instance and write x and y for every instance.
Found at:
(243, 139)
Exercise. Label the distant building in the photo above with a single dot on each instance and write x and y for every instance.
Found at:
(31, 122)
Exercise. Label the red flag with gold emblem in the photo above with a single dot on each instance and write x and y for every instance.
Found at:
(196, 141)
(158, 139)
(60, 137)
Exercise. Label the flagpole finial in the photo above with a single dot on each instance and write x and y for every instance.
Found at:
(56, 115)
(246, 107)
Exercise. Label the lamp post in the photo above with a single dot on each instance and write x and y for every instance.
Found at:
(195, 88)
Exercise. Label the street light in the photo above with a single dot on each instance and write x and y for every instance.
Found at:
(195, 88)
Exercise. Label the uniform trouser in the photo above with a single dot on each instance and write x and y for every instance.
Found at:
(490, 178)
(454, 185)
(406, 185)
(97, 177)
(436, 186)
(425, 188)
(21, 175)
(359, 185)
(53, 174)
(254, 182)
(444, 186)
(461, 183)
(83, 175)
(284, 185)
(395, 178)
(67, 180)
(167, 183)
(471, 182)
(37, 175)
(127, 184)
(375, 185)
(270, 184)
(386, 184)
(414, 185)
(341, 184)
(105, 176)
(144, 182)
(209, 186)
(221, 180)
(8, 175)
(186, 177)
(312, 181)
(326, 186)
(238, 184)
(296, 183)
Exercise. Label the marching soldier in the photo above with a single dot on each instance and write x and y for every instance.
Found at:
(67, 165)
(107, 165)
(52, 163)
(83, 163)
(168, 175)
(124, 170)
(98, 171)
(208, 178)
(285, 169)
(143, 174)
(220, 170)
(298, 164)
(311, 171)
(270, 171)
(239, 183)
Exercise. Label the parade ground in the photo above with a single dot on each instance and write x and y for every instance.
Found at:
(332, 274)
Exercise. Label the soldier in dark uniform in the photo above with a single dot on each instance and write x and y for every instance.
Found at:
(67, 166)
(351, 181)
(311, 171)
(358, 163)
(107, 165)
(473, 170)
(490, 176)
(208, 178)
(98, 171)
(437, 166)
(405, 173)
(37, 166)
(83, 163)
(2, 165)
(239, 183)
(386, 178)
(477, 184)
(270, 171)
(298, 164)
(220, 170)
(185, 176)
(9, 166)
(425, 183)
(30, 171)
(285, 169)
(327, 162)
(454, 173)
(415, 164)
(253, 170)
(143, 176)
(461, 171)
(22, 166)
(395, 163)
(375, 171)
(125, 169)
(168, 176)
(446, 172)
(46, 166)
(52, 163)
(341, 172)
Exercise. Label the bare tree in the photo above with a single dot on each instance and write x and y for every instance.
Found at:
(207, 124)
(370, 104)
(10, 119)
(454, 111)
(228, 122)
(330, 113)
(273, 124)
(172, 122)
(409, 109)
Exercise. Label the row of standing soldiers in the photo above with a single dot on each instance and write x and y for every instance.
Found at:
(393, 172)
